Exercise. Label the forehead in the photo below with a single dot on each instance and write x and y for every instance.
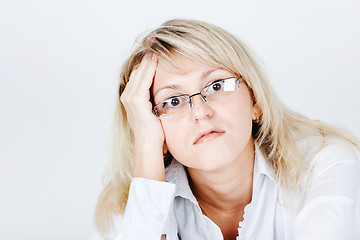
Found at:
(181, 71)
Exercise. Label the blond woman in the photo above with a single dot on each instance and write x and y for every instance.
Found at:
(204, 149)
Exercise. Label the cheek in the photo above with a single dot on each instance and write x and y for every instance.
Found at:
(239, 112)
(178, 140)
(237, 119)
(174, 134)
(238, 124)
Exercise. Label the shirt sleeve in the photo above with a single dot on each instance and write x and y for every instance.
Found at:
(149, 212)
(329, 208)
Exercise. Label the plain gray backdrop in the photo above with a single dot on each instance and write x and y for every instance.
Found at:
(59, 65)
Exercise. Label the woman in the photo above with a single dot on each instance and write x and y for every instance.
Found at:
(203, 149)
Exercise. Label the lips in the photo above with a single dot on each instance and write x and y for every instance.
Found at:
(208, 134)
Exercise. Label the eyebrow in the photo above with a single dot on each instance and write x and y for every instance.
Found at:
(175, 86)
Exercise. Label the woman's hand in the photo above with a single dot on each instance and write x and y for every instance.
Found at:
(148, 132)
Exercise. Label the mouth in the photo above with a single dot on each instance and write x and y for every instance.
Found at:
(208, 135)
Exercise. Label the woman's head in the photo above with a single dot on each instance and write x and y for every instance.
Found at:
(211, 47)
(223, 111)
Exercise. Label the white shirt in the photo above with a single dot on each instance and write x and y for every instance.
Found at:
(327, 212)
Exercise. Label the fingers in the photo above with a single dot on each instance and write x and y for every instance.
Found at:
(141, 80)
(149, 71)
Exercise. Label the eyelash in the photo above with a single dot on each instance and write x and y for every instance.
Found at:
(214, 81)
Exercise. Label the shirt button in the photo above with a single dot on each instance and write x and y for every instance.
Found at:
(160, 217)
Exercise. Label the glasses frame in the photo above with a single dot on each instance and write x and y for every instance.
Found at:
(237, 81)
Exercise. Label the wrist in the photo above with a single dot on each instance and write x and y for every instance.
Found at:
(149, 161)
(149, 139)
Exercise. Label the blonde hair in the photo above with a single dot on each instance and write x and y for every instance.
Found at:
(275, 132)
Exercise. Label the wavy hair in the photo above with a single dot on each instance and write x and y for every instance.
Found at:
(276, 132)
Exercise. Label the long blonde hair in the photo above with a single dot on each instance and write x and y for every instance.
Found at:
(275, 132)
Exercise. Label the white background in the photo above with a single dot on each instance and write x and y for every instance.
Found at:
(59, 64)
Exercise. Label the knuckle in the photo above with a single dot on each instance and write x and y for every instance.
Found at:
(124, 99)
(133, 73)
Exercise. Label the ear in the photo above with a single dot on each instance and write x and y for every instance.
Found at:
(256, 112)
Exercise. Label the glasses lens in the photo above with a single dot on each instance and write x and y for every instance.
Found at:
(220, 90)
(171, 106)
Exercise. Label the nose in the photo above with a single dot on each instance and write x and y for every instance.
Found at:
(199, 108)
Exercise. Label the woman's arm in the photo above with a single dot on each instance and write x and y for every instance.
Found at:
(149, 211)
(148, 132)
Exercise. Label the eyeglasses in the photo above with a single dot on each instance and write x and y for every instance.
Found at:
(218, 90)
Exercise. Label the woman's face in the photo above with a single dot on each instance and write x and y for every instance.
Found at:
(230, 119)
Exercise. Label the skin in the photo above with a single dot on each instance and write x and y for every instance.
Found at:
(221, 168)
(148, 132)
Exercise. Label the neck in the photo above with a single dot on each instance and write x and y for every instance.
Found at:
(227, 190)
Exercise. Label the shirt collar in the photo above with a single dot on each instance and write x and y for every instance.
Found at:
(262, 166)
(176, 174)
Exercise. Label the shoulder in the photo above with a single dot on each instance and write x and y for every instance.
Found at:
(334, 168)
(323, 154)
(331, 190)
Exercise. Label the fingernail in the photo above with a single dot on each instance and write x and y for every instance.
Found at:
(151, 40)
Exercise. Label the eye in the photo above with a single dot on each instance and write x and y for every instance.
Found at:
(173, 102)
(217, 86)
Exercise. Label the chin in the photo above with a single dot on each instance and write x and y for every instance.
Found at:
(211, 162)
(209, 156)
